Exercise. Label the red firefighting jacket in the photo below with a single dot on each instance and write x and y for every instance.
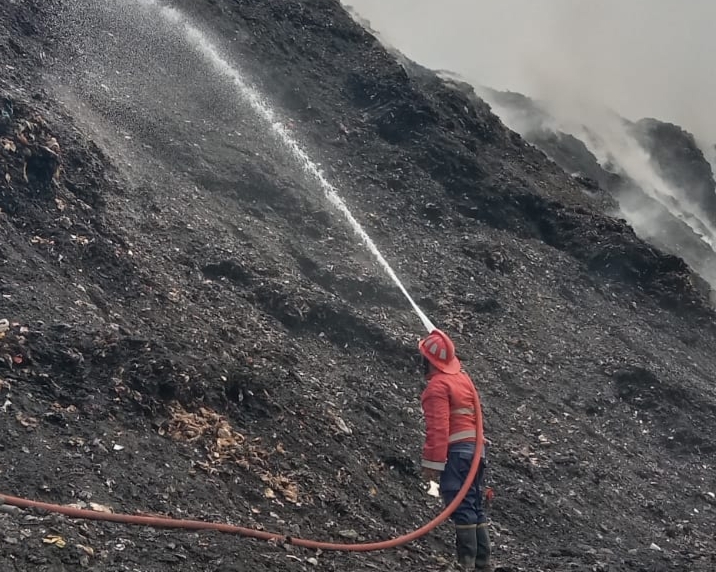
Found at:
(449, 408)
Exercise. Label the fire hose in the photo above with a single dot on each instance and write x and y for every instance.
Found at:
(167, 522)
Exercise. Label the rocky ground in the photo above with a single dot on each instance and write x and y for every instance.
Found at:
(192, 331)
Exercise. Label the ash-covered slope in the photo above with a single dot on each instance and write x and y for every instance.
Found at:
(195, 332)
(680, 161)
(657, 172)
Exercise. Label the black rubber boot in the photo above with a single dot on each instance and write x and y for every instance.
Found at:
(482, 554)
(466, 544)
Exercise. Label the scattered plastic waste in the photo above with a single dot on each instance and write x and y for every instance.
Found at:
(100, 507)
(434, 489)
(56, 540)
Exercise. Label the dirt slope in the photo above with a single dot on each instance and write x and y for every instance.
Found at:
(195, 332)
(673, 155)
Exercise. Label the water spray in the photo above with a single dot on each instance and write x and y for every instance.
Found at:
(251, 95)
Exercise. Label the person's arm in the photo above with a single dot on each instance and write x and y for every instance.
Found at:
(436, 409)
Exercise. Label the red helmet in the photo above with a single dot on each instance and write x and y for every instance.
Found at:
(439, 350)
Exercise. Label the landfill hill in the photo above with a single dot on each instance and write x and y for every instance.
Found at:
(194, 332)
(671, 152)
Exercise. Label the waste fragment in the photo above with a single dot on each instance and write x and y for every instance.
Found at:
(25, 421)
(434, 489)
(8, 145)
(489, 494)
(10, 509)
(349, 534)
(56, 540)
(100, 507)
(342, 426)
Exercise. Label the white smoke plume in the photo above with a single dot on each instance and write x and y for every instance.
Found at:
(643, 58)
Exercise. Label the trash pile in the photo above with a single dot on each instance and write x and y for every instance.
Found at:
(222, 444)
(13, 349)
(30, 152)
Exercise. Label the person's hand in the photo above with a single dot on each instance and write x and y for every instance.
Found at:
(431, 474)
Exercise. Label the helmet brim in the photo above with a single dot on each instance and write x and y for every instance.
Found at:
(453, 366)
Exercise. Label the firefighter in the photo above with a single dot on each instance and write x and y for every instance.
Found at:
(448, 403)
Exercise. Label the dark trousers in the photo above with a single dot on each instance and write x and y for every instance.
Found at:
(470, 510)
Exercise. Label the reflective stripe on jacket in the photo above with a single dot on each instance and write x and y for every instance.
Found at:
(449, 409)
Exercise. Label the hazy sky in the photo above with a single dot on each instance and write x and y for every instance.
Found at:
(641, 57)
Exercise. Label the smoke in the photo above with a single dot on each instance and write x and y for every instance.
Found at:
(615, 147)
(589, 65)
(641, 57)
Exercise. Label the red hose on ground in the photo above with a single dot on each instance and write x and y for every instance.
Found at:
(161, 522)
